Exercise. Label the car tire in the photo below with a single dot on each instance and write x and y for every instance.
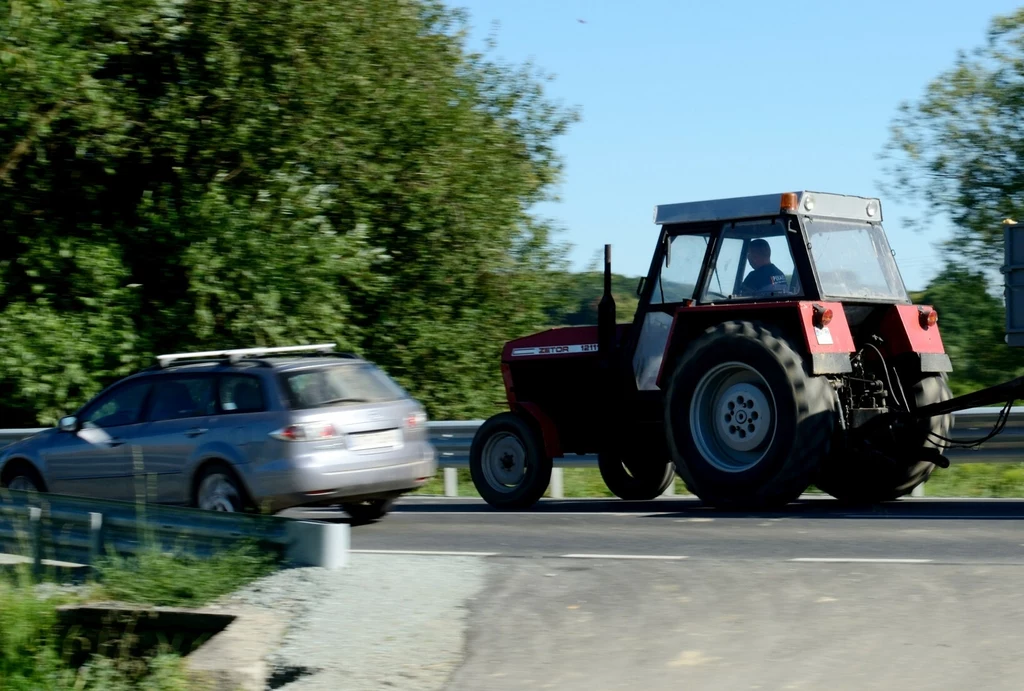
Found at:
(22, 477)
(863, 479)
(635, 480)
(369, 510)
(508, 464)
(218, 489)
(747, 426)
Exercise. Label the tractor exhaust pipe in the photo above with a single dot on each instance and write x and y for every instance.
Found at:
(606, 312)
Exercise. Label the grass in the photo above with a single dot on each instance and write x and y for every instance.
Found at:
(1000, 480)
(159, 579)
(30, 657)
(577, 483)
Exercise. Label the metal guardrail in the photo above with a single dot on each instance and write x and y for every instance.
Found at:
(77, 530)
(452, 440)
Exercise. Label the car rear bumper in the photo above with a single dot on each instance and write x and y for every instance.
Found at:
(333, 484)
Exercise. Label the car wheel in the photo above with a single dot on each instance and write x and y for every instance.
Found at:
(369, 510)
(219, 491)
(22, 479)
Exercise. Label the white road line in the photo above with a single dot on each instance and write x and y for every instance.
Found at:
(663, 557)
(856, 560)
(430, 553)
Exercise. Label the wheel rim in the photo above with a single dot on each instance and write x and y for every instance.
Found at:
(504, 462)
(732, 417)
(218, 493)
(22, 483)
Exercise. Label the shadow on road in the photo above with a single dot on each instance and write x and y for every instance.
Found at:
(810, 508)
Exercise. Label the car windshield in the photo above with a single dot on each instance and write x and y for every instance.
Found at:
(853, 260)
(340, 385)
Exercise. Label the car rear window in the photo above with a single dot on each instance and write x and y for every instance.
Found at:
(340, 385)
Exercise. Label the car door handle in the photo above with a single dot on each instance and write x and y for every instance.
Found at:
(196, 431)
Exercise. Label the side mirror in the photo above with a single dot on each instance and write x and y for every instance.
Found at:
(68, 424)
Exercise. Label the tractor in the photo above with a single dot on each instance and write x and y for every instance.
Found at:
(774, 347)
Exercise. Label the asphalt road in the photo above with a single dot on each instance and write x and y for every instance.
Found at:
(932, 530)
(588, 595)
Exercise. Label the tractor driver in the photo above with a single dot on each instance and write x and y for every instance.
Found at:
(765, 277)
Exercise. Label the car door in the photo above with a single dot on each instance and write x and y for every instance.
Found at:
(96, 460)
(177, 422)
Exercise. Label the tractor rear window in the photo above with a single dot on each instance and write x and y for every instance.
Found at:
(853, 260)
(340, 385)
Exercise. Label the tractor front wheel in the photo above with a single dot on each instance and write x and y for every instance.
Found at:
(870, 479)
(746, 424)
(507, 462)
(635, 479)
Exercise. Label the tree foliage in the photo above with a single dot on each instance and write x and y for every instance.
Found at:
(180, 174)
(972, 323)
(960, 147)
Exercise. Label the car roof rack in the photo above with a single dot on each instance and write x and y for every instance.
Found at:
(242, 353)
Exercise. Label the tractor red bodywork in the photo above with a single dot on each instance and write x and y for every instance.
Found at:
(554, 377)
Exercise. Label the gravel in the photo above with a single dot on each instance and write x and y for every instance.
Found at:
(386, 621)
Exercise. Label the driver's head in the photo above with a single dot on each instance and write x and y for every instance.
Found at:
(759, 253)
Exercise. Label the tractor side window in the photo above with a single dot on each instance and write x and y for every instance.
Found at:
(680, 270)
(753, 260)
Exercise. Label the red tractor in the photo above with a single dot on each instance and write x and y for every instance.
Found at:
(774, 346)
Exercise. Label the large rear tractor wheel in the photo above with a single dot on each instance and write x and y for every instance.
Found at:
(507, 462)
(746, 425)
(870, 479)
(635, 479)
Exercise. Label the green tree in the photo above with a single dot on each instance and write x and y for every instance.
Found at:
(181, 174)
(971, 321)
(959, 148)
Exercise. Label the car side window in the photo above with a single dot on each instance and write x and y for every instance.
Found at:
(175, 398)
(122, 406)
(241, 394)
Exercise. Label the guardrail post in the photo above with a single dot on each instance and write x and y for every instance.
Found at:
(451, 482)
(35, 519)
(557, 486)
(95, 540)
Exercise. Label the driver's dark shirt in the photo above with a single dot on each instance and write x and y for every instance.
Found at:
(768, 278)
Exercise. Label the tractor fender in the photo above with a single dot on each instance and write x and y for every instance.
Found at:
(828, 348)
(912, 341)
(544, 423)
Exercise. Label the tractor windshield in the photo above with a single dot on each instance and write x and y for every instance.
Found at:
(854, 261)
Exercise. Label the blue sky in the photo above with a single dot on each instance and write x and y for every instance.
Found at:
(700, 100)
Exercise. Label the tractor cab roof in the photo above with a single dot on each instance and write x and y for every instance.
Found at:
(823, 204)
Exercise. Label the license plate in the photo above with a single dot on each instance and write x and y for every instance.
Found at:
(367, 441)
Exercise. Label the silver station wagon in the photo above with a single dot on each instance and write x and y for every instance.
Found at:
(259, 428)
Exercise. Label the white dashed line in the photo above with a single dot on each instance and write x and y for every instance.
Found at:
(424, 552)
(662, 557)
(855, 560)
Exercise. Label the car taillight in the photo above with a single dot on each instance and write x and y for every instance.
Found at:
(928, 317)
(306, 431)
(822, 316)
(415, 420)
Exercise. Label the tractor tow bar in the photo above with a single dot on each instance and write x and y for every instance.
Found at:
(1006, 393)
